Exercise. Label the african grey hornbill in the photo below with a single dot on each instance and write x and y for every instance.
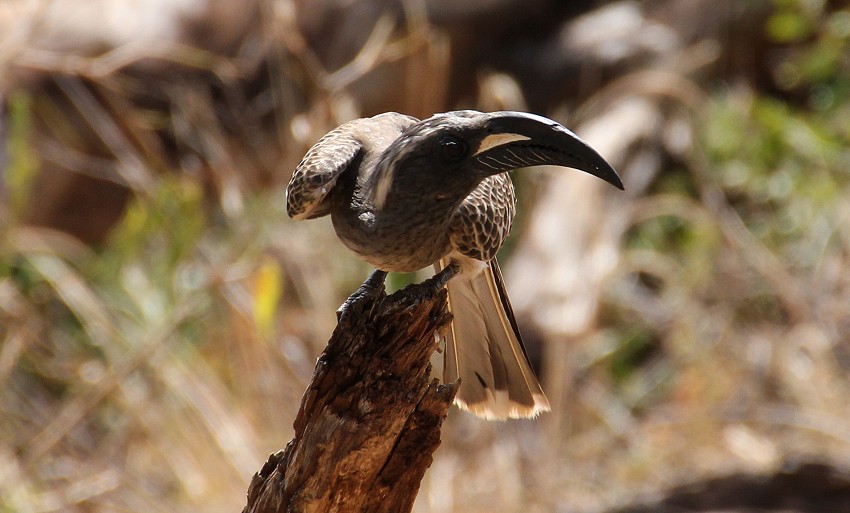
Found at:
(404, 194)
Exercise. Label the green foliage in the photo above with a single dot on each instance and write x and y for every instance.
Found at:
(21, 169)
(778, 164)
(637, 347)
(793, 21)
(818, 60)
(784, 169)
(158, 233)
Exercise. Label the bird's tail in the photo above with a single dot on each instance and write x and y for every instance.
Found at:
(484, 349)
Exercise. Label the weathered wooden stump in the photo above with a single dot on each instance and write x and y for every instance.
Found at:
(370, 420)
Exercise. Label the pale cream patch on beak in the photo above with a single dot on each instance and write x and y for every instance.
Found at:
(494, 140)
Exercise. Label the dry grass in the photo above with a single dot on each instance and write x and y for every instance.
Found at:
(155, 369)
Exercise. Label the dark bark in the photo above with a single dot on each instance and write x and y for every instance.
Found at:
(370, 420)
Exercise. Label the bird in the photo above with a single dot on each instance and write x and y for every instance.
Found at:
(404, 194)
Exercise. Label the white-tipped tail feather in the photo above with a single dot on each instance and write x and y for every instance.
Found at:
(484, 349)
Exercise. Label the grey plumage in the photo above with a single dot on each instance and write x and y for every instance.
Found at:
(404, 194)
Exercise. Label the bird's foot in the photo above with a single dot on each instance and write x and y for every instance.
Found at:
(439, 280)
(367, 295)
(430, 287)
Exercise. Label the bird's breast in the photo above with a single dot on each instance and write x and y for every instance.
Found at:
(403, 241)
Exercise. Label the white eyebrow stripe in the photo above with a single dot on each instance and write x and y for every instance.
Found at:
(382, 189)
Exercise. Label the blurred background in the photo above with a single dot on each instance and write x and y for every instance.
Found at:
(160, 315)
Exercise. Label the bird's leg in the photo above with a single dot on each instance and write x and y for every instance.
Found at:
(425, 290)
(432, 285)
(440, 279)
(371, 289)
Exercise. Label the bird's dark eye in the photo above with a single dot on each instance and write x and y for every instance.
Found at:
(453, 148)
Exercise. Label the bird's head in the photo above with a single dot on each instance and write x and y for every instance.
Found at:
(456, 150)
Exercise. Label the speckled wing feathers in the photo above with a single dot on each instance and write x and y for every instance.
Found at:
(318, 172)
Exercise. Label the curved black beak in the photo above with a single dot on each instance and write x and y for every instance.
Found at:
(513, 140)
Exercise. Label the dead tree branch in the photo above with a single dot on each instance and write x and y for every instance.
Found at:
(370, 420)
